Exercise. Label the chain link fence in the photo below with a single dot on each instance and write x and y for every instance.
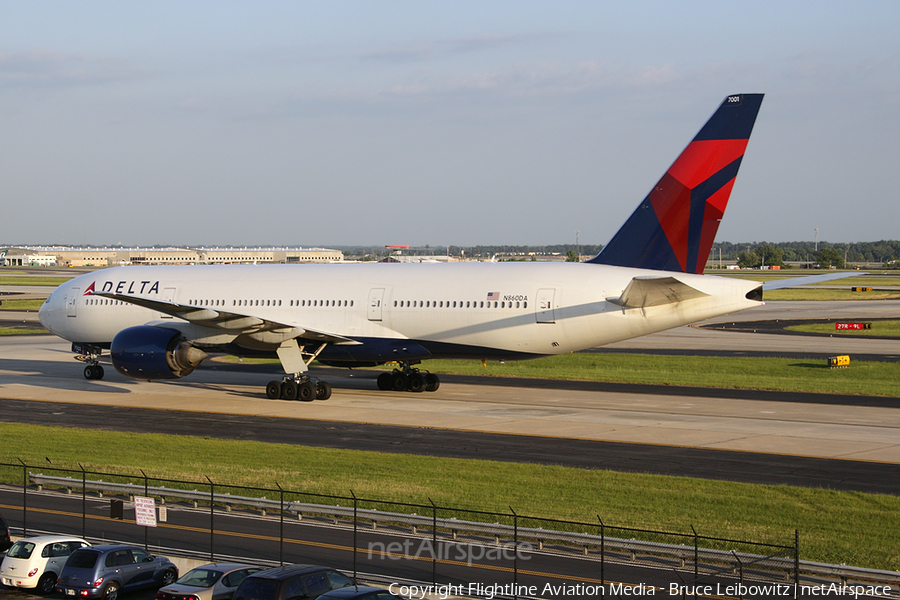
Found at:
(469, 552)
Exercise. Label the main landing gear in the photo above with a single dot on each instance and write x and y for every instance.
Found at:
(302, 388)
(409, 379)
(297, 385)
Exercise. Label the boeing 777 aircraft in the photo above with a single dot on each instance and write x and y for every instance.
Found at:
(159, 322)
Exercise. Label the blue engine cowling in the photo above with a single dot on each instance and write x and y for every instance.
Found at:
(145, 352)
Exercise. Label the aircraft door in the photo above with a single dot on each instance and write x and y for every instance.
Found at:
(167, 296)
(72, 301)
(376, 297)
(543, 308)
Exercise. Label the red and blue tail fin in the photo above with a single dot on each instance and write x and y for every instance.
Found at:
(675, 226)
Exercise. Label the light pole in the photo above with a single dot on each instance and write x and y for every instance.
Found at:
(817, 239)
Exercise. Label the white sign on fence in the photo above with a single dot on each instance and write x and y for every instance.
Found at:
(145, 511)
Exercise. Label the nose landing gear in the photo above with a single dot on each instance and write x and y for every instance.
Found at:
(90, 355)
(93, 372)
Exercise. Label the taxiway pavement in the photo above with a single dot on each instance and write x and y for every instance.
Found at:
(838, 439)
(41, 368)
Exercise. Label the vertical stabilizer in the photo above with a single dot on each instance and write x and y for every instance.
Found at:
(675, 226)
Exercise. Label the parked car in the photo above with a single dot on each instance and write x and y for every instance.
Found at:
(215, 581)
(102, 571)
(36, 562)
(291, 582)
(5, 541)
(360, 592)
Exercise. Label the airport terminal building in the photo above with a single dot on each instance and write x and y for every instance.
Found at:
(63, 256)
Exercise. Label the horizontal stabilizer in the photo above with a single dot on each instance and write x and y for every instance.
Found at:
(230, 322)
(655, 291)
(778, 284)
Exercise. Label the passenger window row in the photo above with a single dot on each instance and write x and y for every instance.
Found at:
(314, 303)
(258, 302)
(458, 304)
(208, 302)
(103, 302)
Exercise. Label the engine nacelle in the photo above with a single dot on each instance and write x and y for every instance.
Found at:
(145, 352)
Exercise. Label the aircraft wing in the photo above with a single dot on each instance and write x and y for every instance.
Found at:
(777, 284)
(655, 291)
(227, 321)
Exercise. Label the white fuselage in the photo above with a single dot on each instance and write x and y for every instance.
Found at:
(477, 310)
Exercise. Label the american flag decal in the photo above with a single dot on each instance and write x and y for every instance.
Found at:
(493, 296)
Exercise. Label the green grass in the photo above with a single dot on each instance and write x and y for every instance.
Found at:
(821, 293)
(863, 280)
(48, 281)
(827, 294)
(879, 328)
(21, 304)
(837, 527)
(17, 331)
(748, 373)
(865, 378)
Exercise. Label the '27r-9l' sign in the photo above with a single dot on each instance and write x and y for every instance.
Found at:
(852, 326)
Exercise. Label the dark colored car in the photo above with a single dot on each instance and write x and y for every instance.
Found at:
(291, 582)
(360, 592)
(102, 571)
(5, 541)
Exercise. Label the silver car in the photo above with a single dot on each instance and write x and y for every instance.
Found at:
(215, 581)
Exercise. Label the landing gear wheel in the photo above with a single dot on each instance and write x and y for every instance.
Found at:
(93, 372)
(323, 390)
(432, 382)
(399, 381)
(273, 390)
(289, 390)
(385, 381)
(416, 382)
(408, 379)
(306, 391)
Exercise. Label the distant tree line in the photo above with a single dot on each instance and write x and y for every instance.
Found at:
(756, 254)
(745, 254)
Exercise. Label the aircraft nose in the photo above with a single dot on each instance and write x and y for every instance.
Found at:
(47, 310)
(44, 315)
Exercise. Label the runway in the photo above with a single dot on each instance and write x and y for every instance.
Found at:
(840, 442)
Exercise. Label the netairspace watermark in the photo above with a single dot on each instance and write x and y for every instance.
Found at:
(617, 590)
(474, 553)
(467, 553)
(775, 590)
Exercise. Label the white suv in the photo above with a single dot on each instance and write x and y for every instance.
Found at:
(36, 562)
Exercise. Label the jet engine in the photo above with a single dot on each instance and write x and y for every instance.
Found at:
(146, 352)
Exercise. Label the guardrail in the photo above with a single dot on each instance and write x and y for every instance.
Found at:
(620, 548)
(451, 526)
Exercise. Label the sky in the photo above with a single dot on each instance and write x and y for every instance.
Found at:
(464, 123)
